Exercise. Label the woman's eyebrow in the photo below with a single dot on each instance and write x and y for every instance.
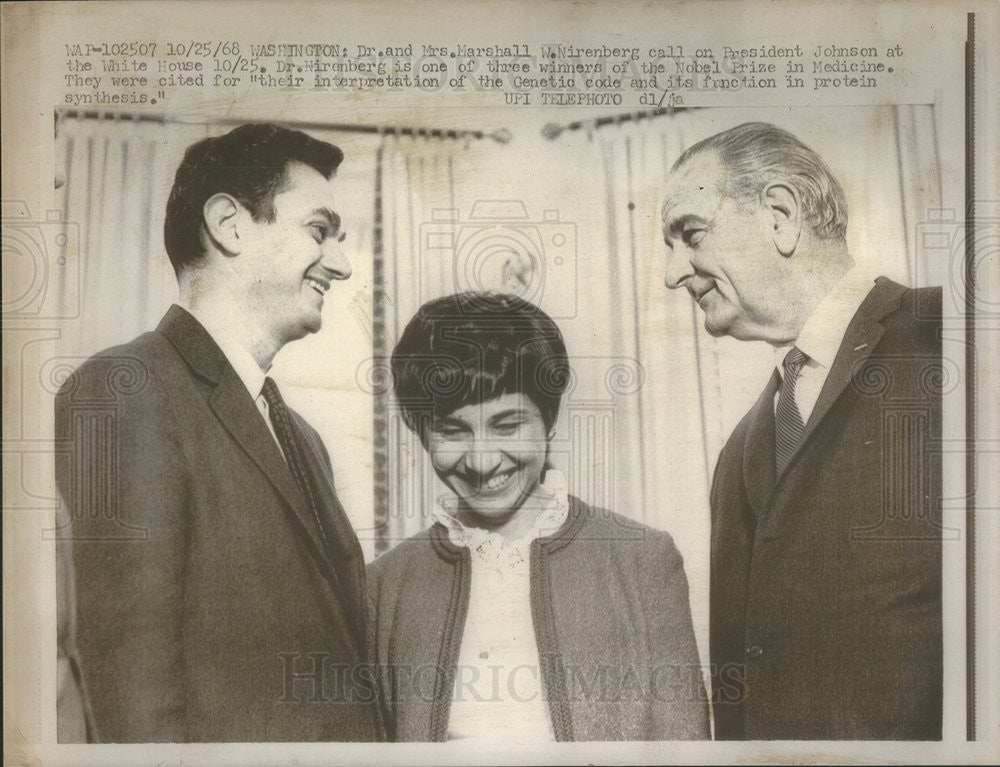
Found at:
(508, 413)
(447, 420)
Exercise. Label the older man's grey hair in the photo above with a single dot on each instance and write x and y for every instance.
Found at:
(756, 155)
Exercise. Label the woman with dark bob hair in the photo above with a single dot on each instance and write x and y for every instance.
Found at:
(521, 613)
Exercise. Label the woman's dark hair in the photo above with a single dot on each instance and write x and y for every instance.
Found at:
(472, 347)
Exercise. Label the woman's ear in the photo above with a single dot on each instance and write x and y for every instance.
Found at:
(221, 214)
(782, 202)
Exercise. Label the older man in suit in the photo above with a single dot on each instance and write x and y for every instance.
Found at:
(219, 584)
(826, 549)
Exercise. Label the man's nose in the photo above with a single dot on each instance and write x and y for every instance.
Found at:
(678, 268)
(335, 261)
(483, 458)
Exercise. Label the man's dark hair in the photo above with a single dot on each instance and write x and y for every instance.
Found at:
(472, 347)
(250, 163)
(757, 154)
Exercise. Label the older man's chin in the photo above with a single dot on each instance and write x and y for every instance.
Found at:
(716, 331)
(714, 324)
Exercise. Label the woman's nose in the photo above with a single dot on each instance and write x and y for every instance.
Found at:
(483, 458)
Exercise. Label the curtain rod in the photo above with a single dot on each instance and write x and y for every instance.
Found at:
(501, 135)
(552, 130)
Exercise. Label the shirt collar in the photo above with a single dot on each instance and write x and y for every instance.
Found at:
(549, 519)
(237, 354)
(821, 336)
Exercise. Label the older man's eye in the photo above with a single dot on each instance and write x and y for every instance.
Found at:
(693, 236)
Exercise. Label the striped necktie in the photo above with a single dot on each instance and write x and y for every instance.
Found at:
(788, 425)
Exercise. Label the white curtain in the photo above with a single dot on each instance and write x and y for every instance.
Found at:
(115, 178)
(419, 209)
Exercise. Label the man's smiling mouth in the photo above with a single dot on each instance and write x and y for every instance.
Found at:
(319, 287)
(701, 294)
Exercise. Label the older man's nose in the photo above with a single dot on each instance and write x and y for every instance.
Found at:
(678, 269)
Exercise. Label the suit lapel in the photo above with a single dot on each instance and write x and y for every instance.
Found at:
(860, 339)
(241, 418)
(236, 411)
(348, 559)
(758, 451)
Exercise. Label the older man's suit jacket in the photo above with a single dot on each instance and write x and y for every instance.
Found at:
(826, 581)
(208, 608)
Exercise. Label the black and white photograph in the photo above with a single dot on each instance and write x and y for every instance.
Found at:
(500, 384)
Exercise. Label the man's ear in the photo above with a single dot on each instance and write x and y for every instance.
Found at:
(221, 216)
(782, 202)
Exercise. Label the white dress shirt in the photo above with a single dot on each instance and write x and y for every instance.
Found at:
(244, 364)
(822, 335)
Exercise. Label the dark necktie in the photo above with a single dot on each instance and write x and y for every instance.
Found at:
(339, 542)
(788, 425)
(286, 430)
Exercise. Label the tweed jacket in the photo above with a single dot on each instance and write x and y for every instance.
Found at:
(609, 601)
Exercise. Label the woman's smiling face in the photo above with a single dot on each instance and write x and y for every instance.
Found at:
(491, 455)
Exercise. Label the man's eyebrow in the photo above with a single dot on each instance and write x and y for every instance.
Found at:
(688, 218)
(678, 224)
(332, 218)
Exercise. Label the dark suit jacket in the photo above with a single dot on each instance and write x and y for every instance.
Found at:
(826, 583)
(207, 608)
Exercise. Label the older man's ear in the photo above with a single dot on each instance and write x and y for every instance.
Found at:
(782, 204)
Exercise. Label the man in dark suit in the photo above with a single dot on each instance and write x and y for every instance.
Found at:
(826, 543)
(219, 584)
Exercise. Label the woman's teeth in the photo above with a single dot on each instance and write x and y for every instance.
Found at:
(497, 481)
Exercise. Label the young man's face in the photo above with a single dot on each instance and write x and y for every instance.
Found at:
(724, 255)
(287, 265)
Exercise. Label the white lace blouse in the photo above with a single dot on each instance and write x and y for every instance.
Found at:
(498, 684)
